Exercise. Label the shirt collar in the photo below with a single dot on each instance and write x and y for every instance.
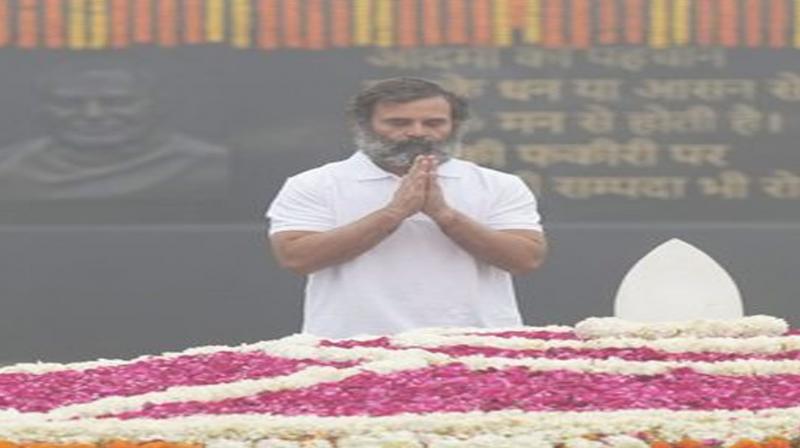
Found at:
(363, 168)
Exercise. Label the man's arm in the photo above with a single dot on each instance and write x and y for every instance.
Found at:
(515, 250)
(304, 252)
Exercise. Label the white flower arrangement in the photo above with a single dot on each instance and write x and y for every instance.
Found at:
(577, 430)
(747, 327)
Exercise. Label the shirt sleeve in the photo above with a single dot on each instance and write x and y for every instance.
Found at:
(300, 205)
(514, 208)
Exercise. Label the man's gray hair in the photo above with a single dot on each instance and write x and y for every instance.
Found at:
(404, 90)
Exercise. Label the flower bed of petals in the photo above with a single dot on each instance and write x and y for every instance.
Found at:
(406, 440)
(603, 383)
(402, 440)
(44, 392)
(456, 388)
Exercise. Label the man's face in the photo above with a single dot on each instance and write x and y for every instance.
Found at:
(399, 132)
(98, 109)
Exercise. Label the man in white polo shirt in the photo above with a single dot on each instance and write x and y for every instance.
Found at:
(401, 235)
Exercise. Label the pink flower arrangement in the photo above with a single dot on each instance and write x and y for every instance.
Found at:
(455, 388)
(43, 392)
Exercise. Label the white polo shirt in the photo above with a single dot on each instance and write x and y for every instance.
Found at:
(416, 277)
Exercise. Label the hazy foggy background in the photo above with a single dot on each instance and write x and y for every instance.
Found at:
(136, 259)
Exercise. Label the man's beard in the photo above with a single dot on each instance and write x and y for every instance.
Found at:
(400, 154)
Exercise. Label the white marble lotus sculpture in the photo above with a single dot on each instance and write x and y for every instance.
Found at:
(677, 281)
